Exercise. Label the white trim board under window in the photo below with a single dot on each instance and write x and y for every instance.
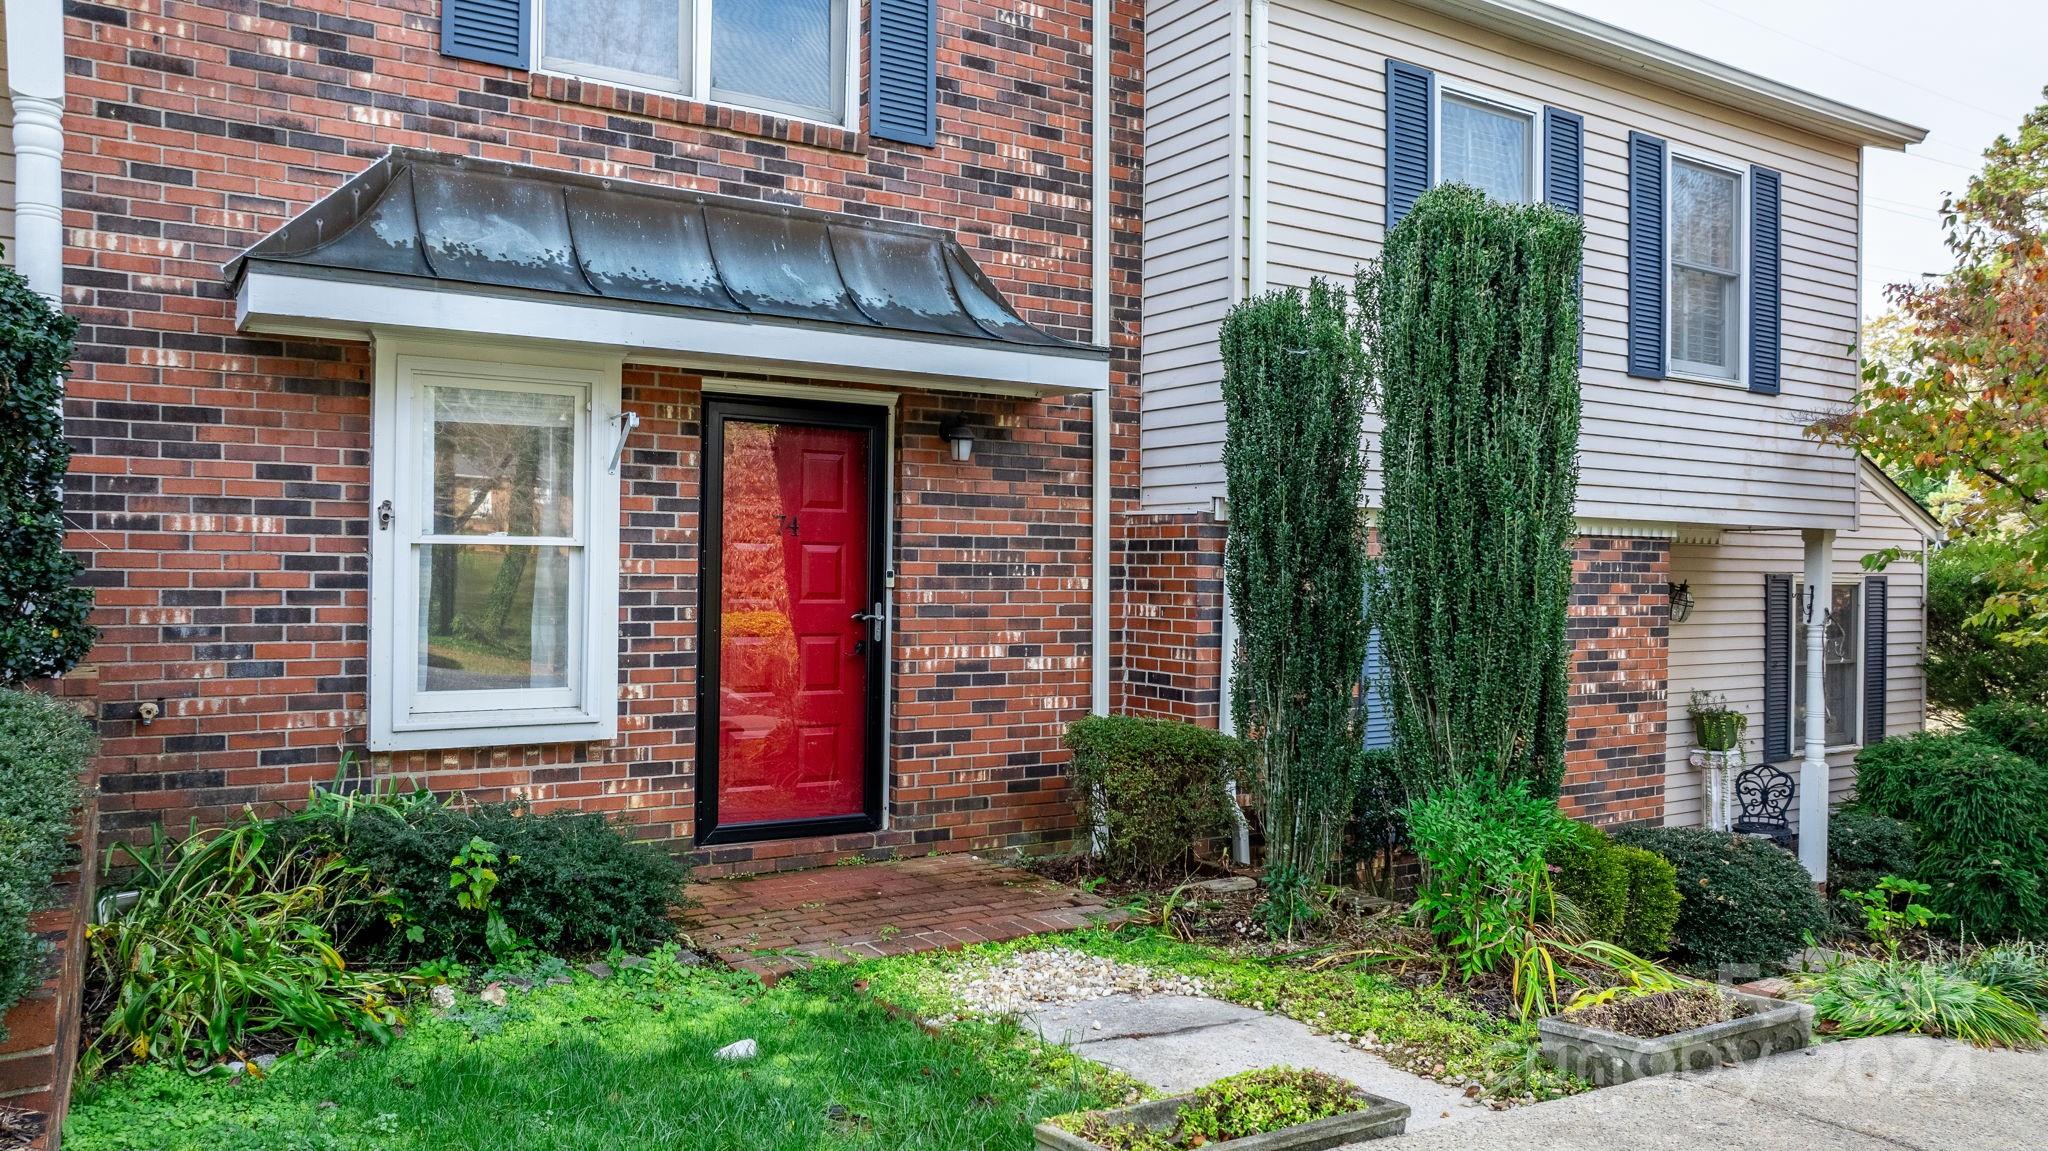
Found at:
(494, 548)
(1706, 269)
(790, 58)
(1491, 173)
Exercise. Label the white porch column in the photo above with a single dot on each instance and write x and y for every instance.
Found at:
(35, 82)
(1813, 762)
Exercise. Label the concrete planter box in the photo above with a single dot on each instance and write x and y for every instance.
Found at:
(1607, 1057)
(1380, 1119)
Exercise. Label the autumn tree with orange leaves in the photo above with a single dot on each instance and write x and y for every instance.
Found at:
(1966, 400)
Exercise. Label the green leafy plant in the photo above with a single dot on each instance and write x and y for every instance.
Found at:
(1485, 884)
(2020, 728)
(1715, 725)
(43, 631)
(1587, 871)
(473, 875)
(1892, 909)
(1235, 1107)
(2019, 971)
(1887, 996)
(1864, 847)
(1741, 899)
(43, 747)
(1153, 787)
(228, 949)
(1471, 318)
(1970, 663)
(1290, 904)
(1294, 399)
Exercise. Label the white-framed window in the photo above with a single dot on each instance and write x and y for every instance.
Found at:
(1705, 238)
(1488, 144)
(494, 549)
(787, 57)
(1842, 676)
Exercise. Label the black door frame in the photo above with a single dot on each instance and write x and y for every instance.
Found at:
(874, 420)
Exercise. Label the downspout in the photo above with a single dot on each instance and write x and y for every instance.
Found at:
(35, 83)
(1102, 425)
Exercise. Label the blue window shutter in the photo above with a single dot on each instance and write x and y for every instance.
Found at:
(1564, 160)
(1411, 94)
(1645, 256)
(1379, 721)
(1876, 656)
(903, 71)
(489, 31)
(1766, 300)
(1777, 668)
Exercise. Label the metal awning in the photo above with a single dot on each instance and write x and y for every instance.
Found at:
(423, 241)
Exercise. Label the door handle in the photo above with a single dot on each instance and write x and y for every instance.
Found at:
(877, 621)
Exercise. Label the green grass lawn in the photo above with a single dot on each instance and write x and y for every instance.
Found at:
(625, 1063)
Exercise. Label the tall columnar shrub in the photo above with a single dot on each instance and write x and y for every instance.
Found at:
(1472, 318)
(1294, 395)
(43, 747)
(42, 608)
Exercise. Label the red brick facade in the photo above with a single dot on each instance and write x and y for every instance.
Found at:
(220, 490)
(40, 1052)
(1170, 588)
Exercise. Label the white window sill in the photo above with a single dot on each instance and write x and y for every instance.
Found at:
(1710, 381)
(499, 734)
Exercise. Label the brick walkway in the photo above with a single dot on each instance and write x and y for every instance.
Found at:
(770, 924)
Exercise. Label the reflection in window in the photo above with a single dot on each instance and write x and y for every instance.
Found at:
(494, 617)
(1486, 147)
(634, 40)
(1705, 278)
(782, 56)
(1844, 636)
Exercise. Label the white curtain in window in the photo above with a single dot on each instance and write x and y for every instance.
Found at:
(637, 37)
(1704, 276)
(1487, 148)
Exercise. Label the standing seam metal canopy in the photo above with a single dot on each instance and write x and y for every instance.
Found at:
(502, 226)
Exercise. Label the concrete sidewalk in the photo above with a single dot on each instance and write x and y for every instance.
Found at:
(1864, 1095)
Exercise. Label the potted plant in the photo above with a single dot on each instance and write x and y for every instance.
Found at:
(1717, 731)
(1689, 1029)
(1271, 1109)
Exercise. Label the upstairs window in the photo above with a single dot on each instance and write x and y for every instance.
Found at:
(1487, 146)
(1706, 270)
(787, 57)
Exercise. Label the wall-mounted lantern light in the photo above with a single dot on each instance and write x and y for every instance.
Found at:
(959, 437)
(1681, 601)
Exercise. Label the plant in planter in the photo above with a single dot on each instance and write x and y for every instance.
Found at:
(1717, 731)
(1271, 1109)
(1686, 1029)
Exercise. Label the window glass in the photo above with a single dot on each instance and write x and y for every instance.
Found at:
(494, 616)
(1487, 148)
(1841, 679)
(1705, 276)
(503, 463)
(637, 38)
(781, 53)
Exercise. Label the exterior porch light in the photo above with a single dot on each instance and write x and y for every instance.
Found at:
(959, 437)
(1681, 601)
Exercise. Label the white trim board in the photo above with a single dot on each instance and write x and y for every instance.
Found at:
(279, 302)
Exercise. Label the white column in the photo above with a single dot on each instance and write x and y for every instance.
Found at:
(35, 82)
(1813, 762)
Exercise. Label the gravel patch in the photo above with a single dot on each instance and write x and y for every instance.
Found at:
(1056, 977)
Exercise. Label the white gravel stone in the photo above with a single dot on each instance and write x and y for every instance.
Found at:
(1057, 976)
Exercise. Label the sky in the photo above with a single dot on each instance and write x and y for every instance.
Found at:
(1966, 70)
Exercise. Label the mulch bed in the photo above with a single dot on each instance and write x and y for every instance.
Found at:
(1665, 1013)
(18, 1128)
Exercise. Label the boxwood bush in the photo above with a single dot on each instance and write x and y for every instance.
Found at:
(1652, 915)
(568, 883)
(1155, 787)
(1623, 894)
(1741, 899)
(43, 747)
(1982, 816)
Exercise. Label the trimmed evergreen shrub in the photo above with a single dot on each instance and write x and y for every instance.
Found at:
(43, 747)
(1155, 787)
(1741, 899)
(1471, 316)
(1587, 870)
(1652, 914)
(568, 883)
(2020, 728)
(1864, 847)
(1294, 400)
(42, 607)
(1982, 816)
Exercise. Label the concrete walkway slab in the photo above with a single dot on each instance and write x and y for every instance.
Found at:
(1178, 1043)
(1905, 1092)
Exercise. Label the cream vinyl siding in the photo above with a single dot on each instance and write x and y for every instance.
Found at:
(1664, 451)
(1720, 649)
(1188, 228)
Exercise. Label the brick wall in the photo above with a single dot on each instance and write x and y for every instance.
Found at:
(1620, 635)
(1170, 586)
(220, 488)
(41, 1048)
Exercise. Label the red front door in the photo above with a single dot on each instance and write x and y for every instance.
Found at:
(796, 647)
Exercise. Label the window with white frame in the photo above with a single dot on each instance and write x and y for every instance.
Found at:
(788, 57)
(1841, 691)
(1706, 270)
(497, 546)
(1488, 146)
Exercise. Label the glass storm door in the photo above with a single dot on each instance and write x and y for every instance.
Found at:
(791, 706)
